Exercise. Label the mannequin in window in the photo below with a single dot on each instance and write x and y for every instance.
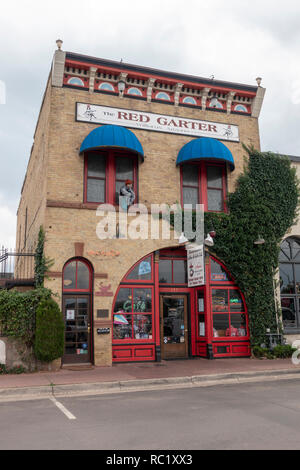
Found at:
(128, 195)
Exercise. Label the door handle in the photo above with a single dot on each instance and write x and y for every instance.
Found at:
(89, 328)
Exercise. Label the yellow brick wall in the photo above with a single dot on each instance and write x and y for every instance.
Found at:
(56, 174)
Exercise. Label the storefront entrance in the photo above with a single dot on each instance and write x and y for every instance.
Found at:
(174, 326)
(77, 327)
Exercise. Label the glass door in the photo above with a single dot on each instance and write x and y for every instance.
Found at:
(77, 329)
(174, 326)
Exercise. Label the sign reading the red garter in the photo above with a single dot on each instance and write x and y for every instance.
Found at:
(155, 122)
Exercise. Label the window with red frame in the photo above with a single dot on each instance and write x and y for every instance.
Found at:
(229, 315)
(204, 183)
(77, 276)
(105, 173)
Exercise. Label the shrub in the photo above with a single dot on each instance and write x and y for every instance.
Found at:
(49, 335)
(18, 312)
(283, 351)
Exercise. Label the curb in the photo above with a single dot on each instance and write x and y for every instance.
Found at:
(104, 388)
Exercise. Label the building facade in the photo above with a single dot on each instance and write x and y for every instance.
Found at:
(178, 138)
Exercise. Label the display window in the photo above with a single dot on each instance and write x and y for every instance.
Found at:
(132, 315)
(228, 310)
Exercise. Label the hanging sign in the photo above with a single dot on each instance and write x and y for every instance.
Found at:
(155, 122)
(196, 266)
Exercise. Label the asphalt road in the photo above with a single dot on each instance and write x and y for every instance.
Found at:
(246, 416)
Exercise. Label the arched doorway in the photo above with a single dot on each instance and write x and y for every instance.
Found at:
(77, 308)
(156, 315)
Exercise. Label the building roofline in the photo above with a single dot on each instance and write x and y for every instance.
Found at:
(160, 73)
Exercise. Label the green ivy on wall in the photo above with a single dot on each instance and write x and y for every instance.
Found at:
(264, 204)
(42, 264)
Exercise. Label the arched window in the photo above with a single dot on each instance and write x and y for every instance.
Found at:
(134, 91)
(216, 104)
(189, 100)
(75, 81)
(77, 276)
(106, 86)
(289, 270)
(163, 96)
(241, 108)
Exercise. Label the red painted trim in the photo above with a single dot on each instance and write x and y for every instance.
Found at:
(144, 76)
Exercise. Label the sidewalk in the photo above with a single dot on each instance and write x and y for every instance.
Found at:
(130, 376)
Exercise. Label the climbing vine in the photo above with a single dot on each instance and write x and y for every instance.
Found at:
(42, 264)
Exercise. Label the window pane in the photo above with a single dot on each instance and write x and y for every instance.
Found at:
(285, 251)
(142, 300)
(95, 190)
(70, 276)
(165, 271)
(214, 200)
(83, 276)
(214, 177)
(238, 325)
(297, 277)
(96, 165)
(236, 302)
(124, 168)
(201, 321)
(179, 271)
(200, 303)
(286, 279)
(220, 325)
(122, 326)
(142, 271)
(190, 175)
(142, 326)
(219, 300)
(124, 301)
(217, 272)
(288, 313)
(190, 196)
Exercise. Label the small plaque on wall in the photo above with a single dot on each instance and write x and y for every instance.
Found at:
(102, 313)
(103, 331)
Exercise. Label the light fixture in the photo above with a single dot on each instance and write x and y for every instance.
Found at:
(209, 240)
(259, 241)
(121, 86)
(182, 239)
(214, 101)
(59, 43)
(258, 80)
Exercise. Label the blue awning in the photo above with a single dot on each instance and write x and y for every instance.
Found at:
(112, 136)
(205, 148)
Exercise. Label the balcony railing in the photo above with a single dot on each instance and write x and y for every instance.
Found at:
(16, 269)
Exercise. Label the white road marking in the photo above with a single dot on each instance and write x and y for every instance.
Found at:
(62, 408)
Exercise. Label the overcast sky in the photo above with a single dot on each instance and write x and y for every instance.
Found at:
(227, 39)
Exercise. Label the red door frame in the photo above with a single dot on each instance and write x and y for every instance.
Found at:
(87, 292)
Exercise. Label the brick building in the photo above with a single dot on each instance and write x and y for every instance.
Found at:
(178, 138)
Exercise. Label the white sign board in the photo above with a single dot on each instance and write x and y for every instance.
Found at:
(155, 122)
(196, 266)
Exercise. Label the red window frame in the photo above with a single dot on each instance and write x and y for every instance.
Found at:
(74, 290)
(202, 183)
(140, 281)
(172, 259)
(110, 175)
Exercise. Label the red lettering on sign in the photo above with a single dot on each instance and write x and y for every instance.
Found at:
(183, 124)
(212, 128)
(144, 118)
(133, 117)
(162, 121)
(202, 127)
